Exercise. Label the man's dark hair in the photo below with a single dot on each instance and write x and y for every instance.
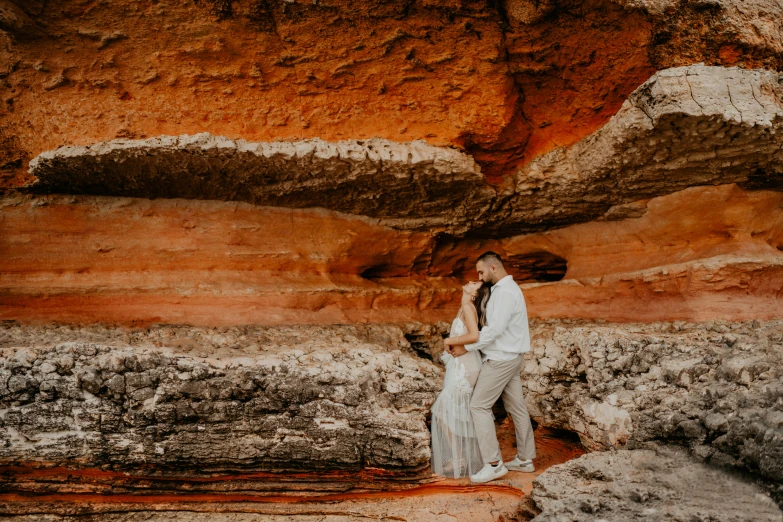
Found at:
(489, 256)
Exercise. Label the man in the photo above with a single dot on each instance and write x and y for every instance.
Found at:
(502, 343)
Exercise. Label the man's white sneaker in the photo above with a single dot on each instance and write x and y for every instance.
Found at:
(521, 465)
(489, 472)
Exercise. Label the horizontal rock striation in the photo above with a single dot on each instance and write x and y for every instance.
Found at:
(660, 484)
(190, 402)
(724, 286)
(137, 261)
(408, 183)
(47, 494)
(682, 227)
(714, 387)
(698, 254)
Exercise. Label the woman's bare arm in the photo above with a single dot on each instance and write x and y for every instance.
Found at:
(471, 322)
(470, 318)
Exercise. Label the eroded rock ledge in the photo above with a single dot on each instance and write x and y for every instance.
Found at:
(715, 387)
(414, 183)
(172, 403)
(191, 402)
(685, 126)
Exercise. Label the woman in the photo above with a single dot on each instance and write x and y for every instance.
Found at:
(455, 449)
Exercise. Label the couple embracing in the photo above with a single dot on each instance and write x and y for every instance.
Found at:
(483, 357)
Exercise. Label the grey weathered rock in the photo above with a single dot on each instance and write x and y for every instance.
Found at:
(685, 126)
(715, 387)
(408, 183)
(658, 484)
(192, 401)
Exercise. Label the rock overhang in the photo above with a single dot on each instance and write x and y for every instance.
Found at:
(685, 126)
(407, 182)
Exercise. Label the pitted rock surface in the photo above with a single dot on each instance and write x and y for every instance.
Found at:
(715, 387)
(507, 81)
(187, 400)
(658, 484)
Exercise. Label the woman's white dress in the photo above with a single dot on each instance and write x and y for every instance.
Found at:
(455, 449)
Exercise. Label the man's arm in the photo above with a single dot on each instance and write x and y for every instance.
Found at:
(497, 323)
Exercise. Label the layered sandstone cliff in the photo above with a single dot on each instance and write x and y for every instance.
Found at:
(232, 234)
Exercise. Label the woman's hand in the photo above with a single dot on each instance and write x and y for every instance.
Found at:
(453, 346)
(457, 350)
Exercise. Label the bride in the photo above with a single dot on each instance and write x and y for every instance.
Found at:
(455, 449)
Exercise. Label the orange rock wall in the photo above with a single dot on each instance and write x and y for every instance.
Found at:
(134, 260)
(505, 81)
(699, 254)
(713, 252)
(695, 223)
(569, 121)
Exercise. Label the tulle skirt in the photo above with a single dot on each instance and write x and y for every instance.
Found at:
(455, 449)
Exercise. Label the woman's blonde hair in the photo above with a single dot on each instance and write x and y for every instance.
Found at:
(481, 301)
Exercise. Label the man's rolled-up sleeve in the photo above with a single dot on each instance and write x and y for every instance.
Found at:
(496, 323)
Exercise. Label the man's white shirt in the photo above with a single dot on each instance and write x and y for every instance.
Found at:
(507, 333)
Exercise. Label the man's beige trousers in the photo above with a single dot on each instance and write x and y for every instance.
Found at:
(501, 378)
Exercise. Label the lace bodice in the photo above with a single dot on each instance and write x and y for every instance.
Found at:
(457, 328)
(462, 371)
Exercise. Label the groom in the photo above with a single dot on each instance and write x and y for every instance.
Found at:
(502, 343)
